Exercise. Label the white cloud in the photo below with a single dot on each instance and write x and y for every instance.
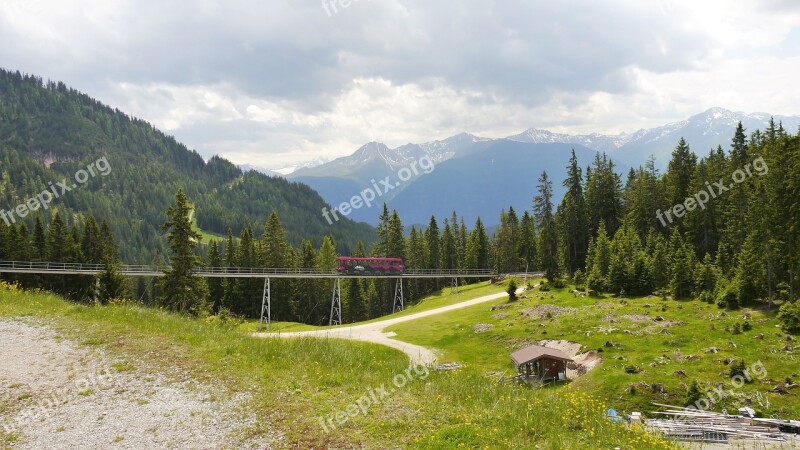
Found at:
(279, 82)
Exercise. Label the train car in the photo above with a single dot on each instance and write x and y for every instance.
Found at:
(369, 266)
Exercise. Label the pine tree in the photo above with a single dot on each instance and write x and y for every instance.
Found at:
(478, 247)
(546, 224)
(182, 289)
(573, 223)
(216, 289)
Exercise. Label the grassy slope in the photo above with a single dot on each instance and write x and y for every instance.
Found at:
(297, 380)
(442, 298)
(658, 355)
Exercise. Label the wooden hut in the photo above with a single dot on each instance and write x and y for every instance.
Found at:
(543, 363)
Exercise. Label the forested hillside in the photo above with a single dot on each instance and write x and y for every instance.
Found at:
(49, 131)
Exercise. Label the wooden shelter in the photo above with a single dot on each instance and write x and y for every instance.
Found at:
(544, 363)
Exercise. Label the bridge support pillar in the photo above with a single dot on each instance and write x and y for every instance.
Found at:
(97, 289)
(266, 310)
(336, 303)
(454, 285)
(399, 302)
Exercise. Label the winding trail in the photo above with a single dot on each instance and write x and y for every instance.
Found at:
(373, 332)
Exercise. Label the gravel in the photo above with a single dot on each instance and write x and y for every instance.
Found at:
(59, 395)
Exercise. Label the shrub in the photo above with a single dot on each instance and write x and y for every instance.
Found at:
(512, 290)
(737, 329)
(738, 368)
(580, 280)
(559, 283)
(747, 326)
(728, 295)
(544, 286)
(789, 316)
(633, 369)
(694, 394)
(706, 296)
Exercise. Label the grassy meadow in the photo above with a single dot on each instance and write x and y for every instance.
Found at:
(295, 382)
(662, 341)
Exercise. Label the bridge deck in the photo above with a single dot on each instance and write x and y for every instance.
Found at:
(226, 272)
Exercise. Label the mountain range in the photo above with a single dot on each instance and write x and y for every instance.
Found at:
(477, 176)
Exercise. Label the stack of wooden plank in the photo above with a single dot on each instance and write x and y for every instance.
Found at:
(688, 424)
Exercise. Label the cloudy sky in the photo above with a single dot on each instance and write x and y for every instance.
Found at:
(277, 82)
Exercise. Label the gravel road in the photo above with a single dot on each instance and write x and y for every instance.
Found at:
(56, 394)
(373, 332)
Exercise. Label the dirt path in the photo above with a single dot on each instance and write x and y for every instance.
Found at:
(373, 332)
(58, 395)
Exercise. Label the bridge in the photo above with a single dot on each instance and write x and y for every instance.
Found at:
(57, 268)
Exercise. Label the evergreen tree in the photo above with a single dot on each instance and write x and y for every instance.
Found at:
(545, 223)
(182, 289)
(216, 290)
(573, 223)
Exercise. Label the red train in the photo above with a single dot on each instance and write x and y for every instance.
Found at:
(369, 266)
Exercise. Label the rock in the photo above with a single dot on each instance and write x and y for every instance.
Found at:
(449, 366)
(496, 307)
(729, 361)
(788, 348)
(680, 374)
(759, 336)
(780, 389)
(631, 389)
(500, 316)
(692, 357)
(658, 388)
(647, 305)
(658, 318)
(481, 327)
(788, 338)
(712, 350)
(608, 344)
(746, 315)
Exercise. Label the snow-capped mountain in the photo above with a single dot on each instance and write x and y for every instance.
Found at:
(596, 141)
(288, 170)
(474, 156)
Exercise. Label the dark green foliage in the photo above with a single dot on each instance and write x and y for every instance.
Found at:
(512, 290)
(789, 315)
(693, 395)
(738, 369)
(48, 132)
(546, 224)
(182, 289)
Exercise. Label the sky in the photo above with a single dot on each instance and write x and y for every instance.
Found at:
(280, 82)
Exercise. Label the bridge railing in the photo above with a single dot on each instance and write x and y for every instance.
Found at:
(142, 269)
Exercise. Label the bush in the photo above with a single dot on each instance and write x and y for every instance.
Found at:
(706, 296)
(512, 290)
(580, 280)
(544, 286)
(737, 329)
(738, 368)
(559, 283)
(789, 316)
(728, 295)
(747, 326)
(694, 394)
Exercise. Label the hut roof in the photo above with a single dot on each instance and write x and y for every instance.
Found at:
(534, 352)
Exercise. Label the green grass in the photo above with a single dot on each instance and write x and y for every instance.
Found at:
(294, 382)
(205, 236)
(442, 298)
(597, 321)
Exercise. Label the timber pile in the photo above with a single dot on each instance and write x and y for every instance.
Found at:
(687, 424)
